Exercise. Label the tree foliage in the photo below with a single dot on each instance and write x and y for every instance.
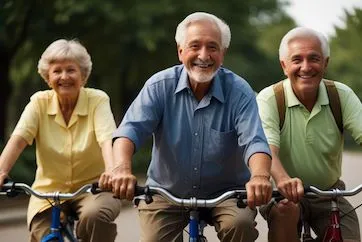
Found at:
(128, 40)
(346, 62)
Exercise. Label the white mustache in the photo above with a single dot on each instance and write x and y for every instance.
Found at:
(200, 62)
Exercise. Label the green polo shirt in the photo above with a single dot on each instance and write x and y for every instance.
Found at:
(310, 143)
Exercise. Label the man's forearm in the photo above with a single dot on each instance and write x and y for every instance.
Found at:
(123, 149)
(260, 165)
(277, 170)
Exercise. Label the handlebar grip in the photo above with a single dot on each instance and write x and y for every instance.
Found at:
(276, 193)
(277, 196)
(307, 189)
(140, 190)
(241, 203)
(9, 188)
(95, 188)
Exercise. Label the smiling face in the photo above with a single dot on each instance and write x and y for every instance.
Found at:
(66, 78)
(304, 65)
(201, 52)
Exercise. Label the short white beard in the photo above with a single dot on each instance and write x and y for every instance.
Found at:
(200, 77)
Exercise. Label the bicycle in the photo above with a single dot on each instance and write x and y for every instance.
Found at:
(57, 229)
(196, 222)
(333, 232)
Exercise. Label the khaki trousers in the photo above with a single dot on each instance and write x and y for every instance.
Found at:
(96, 214)
(316, 211)
(161, 221)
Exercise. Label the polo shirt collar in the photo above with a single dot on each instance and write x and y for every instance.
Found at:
(293, 100)
(322, 94)
(215, 89)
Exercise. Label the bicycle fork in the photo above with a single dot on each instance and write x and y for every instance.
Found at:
(333, 232)
(55, 233)
(196, 227)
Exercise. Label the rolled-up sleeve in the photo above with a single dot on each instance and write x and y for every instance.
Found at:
(142, 117)
(250, 132)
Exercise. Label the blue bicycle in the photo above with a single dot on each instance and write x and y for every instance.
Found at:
(58, 231)
(196, 222)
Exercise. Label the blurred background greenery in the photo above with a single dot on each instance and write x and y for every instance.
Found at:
(130, 40)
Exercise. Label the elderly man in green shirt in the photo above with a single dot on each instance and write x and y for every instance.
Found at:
(307, 149)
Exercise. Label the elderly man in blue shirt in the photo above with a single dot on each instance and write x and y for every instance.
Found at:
(207, 137)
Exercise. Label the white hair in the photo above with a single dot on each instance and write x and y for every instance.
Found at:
(302, 32)
(65, 50)
(180, 35)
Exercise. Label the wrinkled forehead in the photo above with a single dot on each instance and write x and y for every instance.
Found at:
(203, 29)
(307, 44)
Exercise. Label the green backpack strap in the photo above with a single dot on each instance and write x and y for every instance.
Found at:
(279, 96)
(334, 103)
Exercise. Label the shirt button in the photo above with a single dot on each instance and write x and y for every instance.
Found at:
(194, 187)
(196, 134)
(195, 168)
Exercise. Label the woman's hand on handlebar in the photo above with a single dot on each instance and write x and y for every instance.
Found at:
(105, 181)
(123, 184)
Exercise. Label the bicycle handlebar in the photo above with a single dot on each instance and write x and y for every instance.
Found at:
(333, 193)
(193, 202)
(147, 192)
(12, 189)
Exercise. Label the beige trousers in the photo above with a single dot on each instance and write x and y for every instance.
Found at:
(316, 211)
(161, 221)
(96, 214)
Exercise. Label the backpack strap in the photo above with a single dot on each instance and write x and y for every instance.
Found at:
(279, 96)
(334, 103)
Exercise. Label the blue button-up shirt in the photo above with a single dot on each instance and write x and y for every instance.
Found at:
(199, 148)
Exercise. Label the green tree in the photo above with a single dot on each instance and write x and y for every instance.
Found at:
(270, 35)
(345, 62)
(128, 41)
(15, 19)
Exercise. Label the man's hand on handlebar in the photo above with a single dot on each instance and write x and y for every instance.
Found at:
(3, 177)
(123, 184)
(259, 191)
(291, 188)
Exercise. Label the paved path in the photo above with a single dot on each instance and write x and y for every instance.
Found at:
(13, 227)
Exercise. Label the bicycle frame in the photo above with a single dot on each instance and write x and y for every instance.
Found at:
(55, 228)
(12, 189)
(333, 232)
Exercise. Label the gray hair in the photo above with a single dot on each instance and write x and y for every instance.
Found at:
(300, 32)
(180, 35)
(65, 50)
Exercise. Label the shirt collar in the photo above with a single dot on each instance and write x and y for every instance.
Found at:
(215, 90)
(293, 100)
(183, 82)
(81, 107)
